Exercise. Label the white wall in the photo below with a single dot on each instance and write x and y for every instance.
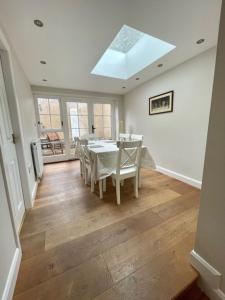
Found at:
(176, 140)
(209, 254)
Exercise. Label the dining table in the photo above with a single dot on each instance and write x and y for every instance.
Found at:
(103, 154)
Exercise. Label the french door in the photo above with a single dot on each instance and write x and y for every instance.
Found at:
(61, 120)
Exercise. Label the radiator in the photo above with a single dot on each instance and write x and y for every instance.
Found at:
(37, 158)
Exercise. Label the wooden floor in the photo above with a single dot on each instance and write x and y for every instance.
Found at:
(76, 246)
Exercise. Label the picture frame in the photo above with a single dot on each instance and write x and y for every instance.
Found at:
(162, 103)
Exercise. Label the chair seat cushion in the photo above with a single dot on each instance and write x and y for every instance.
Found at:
(126, 171)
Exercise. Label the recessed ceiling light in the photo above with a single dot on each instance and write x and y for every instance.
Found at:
(38, 23)
(137, 78)
(123, 87)
(43, 62)
(200, 41)
(44, 80)
(160, 65)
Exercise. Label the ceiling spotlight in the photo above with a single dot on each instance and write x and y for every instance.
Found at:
(160, 65)
(123, 87)
(38, 23)
(43, 62)
(200, 41)
(44, 80)
(137, 78)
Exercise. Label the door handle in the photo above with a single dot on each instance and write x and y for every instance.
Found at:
(93, 129)
(13, 138)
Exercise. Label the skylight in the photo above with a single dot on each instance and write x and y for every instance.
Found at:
(129, 53)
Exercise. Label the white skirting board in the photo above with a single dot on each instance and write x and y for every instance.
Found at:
(181, 177)
(210, 277)
(12, 276)
(34, 192)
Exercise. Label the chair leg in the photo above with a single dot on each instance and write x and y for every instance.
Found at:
(86, 175)
(136, 179)
(100, 189)
(92, 184)
(139, 178)
(81, 169)
(118, 191)
(104, 185)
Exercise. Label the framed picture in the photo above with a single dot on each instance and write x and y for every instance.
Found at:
(161, 104)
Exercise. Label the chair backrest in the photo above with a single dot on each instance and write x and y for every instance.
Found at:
(89, 136)
(85, 153)
(137, 137)
(78, 146)
(124, 136)
(128, 155)
(92, 137)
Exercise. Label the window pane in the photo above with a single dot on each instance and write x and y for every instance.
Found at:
(83, 122)
(71, 108)
(82, 109)
(107, 121)
(99, 132)
(45, 121)
(61, 135)
(98, 120)
(107, 133)
(75, 133)
(54, 106)
(52, 144)
(98, 109)
(43, 106)
(107, 109)
(56, 122)
(73, 121)
(83, 132)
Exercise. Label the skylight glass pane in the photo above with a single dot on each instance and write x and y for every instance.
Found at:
(130, 52)
(126, 38)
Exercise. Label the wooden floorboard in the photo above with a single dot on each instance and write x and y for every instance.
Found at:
(76, 246)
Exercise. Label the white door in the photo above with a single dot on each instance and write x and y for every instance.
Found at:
(9, 157)
(51, 129)
(103, 119)
(77, 123)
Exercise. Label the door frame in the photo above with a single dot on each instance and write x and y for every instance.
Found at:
(9, 157)
(12, 99)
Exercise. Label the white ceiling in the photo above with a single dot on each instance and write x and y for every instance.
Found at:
(77, 32)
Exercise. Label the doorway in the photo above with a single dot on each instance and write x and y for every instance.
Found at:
(60, 120)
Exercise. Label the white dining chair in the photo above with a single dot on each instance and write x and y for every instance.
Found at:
(124, 136)
(128, 162)
(136, 137)
(92, 137)
(86, 161)
(78, 152)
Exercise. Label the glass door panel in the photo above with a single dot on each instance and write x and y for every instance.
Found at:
(103, 120)
(77, 121)
(51, 129)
